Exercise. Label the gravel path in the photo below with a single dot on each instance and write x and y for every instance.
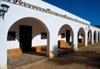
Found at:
(24, 59)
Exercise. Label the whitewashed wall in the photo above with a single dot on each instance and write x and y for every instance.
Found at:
(51, 23)
(63, 30)
(37, 29)
(81, 31)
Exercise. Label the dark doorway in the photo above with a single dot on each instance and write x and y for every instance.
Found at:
(94, 36)
(25, 38)
(68, 36)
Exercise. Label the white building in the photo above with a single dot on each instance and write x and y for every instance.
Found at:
(29, 24)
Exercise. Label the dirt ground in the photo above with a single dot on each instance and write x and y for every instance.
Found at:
(32, 58)
(25, 59)
(85, 58)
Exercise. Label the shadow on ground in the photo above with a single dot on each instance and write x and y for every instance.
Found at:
(89, 56)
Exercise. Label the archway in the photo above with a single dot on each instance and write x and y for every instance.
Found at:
(81, 38)
(26, 37)
(65, 39)
(94, 36)
(89, 37)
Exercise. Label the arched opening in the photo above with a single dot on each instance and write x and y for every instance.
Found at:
(65, 39)
(81, 38)
(89, 37)
(94, 36)
(27, 38)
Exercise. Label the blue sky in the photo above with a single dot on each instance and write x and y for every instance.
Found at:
(86, 9)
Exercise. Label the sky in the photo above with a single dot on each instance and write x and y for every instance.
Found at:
(86, 9)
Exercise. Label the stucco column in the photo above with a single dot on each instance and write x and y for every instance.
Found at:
(75, 41)
(96, 36)
(92, 37)
(86, 38)
(3, 48)
(53, 43)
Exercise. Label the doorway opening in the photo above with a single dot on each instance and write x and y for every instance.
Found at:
(94, 36)
(25, 38)
(65, 39)
(89, 39)
(81, 38)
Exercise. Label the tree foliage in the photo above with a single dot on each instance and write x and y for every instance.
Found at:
(97, 26)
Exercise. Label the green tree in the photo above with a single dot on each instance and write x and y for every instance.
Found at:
(97, 26)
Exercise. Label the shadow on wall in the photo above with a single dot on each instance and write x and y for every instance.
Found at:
(61, 51)
(68, 36)
(1, 12)
(54, 52)
(37, 28)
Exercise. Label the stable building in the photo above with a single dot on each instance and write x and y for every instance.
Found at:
(34, 25)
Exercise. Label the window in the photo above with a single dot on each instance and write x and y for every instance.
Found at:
(43, 35)
(11, 36)
(62, 35)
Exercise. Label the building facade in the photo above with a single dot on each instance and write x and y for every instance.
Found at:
(35, 24)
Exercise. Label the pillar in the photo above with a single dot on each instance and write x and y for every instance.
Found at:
(3, 47)
(53, 45)
(99, 36)
(96, 36)
(86, 38)
(75, 40)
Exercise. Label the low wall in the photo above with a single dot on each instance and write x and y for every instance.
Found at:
(14, 52)
(39, 48)
(62, 43)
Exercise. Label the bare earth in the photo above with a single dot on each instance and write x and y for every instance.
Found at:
(85, 58)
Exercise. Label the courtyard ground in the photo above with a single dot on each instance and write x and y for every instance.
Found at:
(85, 58)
